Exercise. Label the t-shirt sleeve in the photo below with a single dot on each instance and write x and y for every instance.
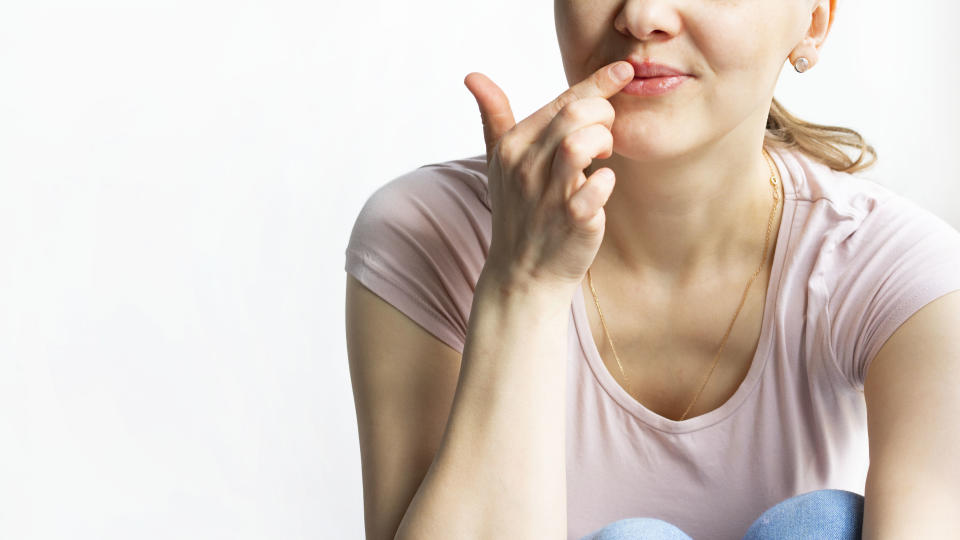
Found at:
(898, 260)
(419, 243)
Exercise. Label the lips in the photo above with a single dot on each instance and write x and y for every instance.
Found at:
(646, 69)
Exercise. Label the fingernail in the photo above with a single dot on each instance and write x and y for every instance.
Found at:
(622, 71)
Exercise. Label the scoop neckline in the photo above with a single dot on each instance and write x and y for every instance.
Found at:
(760, 357)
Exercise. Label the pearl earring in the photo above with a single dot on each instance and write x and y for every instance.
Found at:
(801, 64)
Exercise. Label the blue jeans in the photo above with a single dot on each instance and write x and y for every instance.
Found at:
(832, 514)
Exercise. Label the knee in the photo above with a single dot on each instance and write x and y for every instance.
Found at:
(639, 527)
(833, 513)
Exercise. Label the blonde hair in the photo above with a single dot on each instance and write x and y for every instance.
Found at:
(820, 142)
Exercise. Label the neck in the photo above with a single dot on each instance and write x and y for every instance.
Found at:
(697, 214)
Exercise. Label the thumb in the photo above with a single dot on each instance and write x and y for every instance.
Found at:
(495, 110)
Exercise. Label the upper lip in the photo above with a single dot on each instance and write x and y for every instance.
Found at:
(648, 68)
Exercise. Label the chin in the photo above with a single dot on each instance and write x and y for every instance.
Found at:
(652, 137)
(643, 145)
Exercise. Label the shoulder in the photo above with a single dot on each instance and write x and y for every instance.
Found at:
(420, 241)
(846, 218)
(866, 235)
(849, 194)
(459, 181)
(434, 208)
(876, 256)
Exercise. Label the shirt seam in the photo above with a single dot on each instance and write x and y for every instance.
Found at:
(374, 264)
(827, 309)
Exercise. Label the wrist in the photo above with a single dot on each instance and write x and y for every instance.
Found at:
(530, 293)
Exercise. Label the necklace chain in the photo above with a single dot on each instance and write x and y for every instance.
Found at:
(716, 358)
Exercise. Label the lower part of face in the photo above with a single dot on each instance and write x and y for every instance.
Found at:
(734, 50)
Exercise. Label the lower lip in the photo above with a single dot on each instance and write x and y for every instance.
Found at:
(653, 86)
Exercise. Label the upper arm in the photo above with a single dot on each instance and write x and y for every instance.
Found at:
(403, 382)
(912, 393)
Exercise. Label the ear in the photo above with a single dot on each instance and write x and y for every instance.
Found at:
(821, 20)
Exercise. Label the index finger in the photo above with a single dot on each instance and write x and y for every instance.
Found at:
(604, 82)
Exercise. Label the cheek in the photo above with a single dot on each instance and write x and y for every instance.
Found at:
(581, 28)
(731, 43)
(739, 51)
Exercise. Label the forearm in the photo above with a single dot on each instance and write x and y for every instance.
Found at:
(904, 507)
(500, 469)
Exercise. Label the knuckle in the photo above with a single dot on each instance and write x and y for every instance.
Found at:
(572, 146)
(600, 133)
(576, 112)
(606, 135)
(577, 152)
(563, 101)
(576, 209)
(608, 108)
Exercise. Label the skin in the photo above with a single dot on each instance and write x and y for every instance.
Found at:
(686, 221)
(688, 164)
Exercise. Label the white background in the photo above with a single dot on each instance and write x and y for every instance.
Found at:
(178, 181)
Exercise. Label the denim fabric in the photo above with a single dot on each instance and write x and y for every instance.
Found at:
(637, 528)
(830, 514)
(825, 514)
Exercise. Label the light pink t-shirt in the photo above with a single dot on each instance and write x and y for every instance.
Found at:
(853, 261)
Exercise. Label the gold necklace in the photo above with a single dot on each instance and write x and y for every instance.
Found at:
(763, 260)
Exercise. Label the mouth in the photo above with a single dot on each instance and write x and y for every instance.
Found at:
(654, 86)
(660, 78)
(648, 69)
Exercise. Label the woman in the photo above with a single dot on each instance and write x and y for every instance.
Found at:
(740, 280)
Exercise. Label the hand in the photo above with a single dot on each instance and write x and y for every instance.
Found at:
(548, 217)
